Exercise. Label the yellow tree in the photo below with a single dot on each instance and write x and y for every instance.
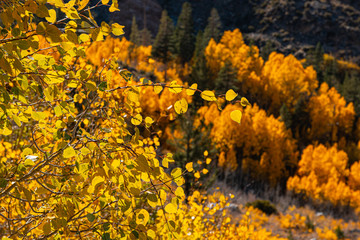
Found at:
(330, 116)
(76, 159)
(285, 80)
(260, 146)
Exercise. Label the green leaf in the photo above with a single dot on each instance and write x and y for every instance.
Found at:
(90, 217)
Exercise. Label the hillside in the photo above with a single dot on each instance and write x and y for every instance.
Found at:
(290, 26)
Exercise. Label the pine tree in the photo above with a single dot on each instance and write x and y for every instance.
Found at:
(134, 35)
(184, 34)
(226, 77)
(145, 37)
(163, 45)
(200, 72)
(213, 28)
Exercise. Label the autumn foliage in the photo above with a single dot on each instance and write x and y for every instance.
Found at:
(87, 119)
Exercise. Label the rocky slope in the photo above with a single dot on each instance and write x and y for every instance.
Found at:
(292, 26)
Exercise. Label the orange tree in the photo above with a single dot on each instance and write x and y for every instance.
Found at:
(79, 157)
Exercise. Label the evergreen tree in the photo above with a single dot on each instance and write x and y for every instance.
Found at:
(163, 45)
(350, 89)
(183, 36)
(226, 77)
(213, 28)
(200, 72)
(135, 34)
(145, 37)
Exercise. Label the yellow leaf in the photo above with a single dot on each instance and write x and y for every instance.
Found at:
(179, 192)
(29, 162)
(208, 160)
(114, 6)
(69, 152)
(142, 217)
(133, 96)
(136, 120)
(230, 95)
(205, 171)
(189, 167)
(96, 181)
(165, 163)
(117, 29)
(192, 89)
(206, 153)
(105, 2)
(52, 16)
(85, 151)
(84, 37)
(158, 89)
(152, 200)
(170, 208)
(58, 111)
(38, 116)
(181, 106)
(83, 4)
(174, 87)
(236, 116)
(148, 121)
(105, 28)
(197, 174)
(176, 172)
(208, 95)
(244, 102)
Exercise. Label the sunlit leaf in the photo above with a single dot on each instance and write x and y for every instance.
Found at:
(69, 152)
(208, 95)
(236, 116)
(181, 106)
(230, 95)
(170, 208)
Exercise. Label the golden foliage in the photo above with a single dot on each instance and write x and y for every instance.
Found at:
(330, 116)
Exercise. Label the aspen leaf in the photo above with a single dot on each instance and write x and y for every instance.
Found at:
(244, 102)
(142, 217)
(176, 172)
(158, 89)
(90, 217)
(197, 174)
(174, 87)
(105, 2)
(136, 120)
(52, 16)
(117, 29)
(152, 200)
(208, 95)
(83, 4)
(114, 6)
(236, 116)
(208, 160)
(179, 192)
(29, 162)
(96, 180)
(148, 121)
(230, 95)
(205, 171)
(170, 208)
(189, 166)
(69, 152)
(192, 89)
(181, 106)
